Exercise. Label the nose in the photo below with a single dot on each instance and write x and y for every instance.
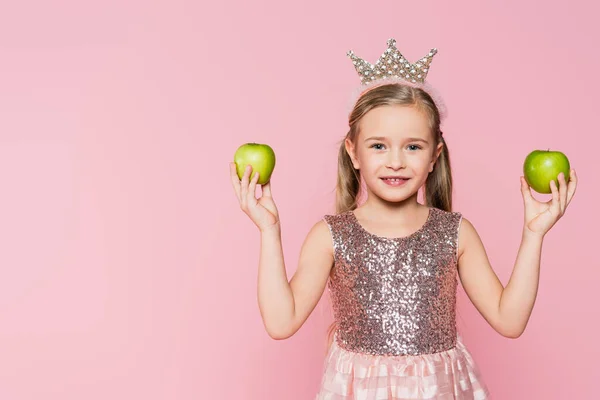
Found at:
(396, 159)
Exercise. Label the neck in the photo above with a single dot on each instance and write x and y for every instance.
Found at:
(406, 210)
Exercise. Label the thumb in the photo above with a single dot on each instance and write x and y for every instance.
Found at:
(266, 189)
(525, 190)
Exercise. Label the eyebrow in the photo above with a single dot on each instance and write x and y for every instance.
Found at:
(412, 139)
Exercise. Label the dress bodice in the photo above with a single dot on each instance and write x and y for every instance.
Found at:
(395, 296)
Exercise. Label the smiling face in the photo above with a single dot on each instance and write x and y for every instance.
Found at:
(395, 151)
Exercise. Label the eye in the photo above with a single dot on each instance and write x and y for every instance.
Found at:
(416, 146)
(376, 144)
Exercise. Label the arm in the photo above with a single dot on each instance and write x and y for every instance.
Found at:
(285, 306)
(507, 309)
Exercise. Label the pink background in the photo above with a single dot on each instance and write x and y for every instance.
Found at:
(128, 270)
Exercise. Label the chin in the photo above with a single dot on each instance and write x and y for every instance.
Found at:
(397, 197)
(396, 193)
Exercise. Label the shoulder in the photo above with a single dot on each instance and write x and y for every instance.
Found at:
(320, 234)
(467, 235)
(466, 227)
(321, 227)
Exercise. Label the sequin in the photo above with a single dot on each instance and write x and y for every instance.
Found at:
(395, 296)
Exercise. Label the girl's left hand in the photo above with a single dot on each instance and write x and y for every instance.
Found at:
(540, 217)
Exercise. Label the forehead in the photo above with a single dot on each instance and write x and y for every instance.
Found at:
(395, 120)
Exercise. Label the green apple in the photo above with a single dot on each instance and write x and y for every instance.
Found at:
(260, 156)
(543, 166)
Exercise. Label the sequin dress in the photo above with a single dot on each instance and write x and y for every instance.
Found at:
(394, 305)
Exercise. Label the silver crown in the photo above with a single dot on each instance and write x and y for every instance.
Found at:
(392, 64)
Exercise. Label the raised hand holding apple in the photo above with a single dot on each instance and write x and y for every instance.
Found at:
(260, 156)
(262, 211)
(541, 171)
(542, 166)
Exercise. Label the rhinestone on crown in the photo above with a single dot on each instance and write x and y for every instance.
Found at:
(392, 64)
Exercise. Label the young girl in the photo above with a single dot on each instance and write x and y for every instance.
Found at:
(391, 263)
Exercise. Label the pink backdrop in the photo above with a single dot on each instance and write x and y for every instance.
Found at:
(128, 270)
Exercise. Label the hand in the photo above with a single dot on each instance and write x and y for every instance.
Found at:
(540, 217)
(262, 211)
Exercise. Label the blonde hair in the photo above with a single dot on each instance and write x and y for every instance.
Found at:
(438, 186)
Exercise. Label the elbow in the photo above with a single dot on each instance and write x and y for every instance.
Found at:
(511, 333)
(510, 328)
(280, 333)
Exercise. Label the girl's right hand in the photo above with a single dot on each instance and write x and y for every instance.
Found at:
(262, 211)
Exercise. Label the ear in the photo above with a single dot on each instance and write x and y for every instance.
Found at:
(352, 153)
(436, 155)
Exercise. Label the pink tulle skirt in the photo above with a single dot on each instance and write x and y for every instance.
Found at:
(451, 374)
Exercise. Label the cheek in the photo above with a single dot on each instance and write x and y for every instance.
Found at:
(423, 162)
(362, 156)
(372, 162)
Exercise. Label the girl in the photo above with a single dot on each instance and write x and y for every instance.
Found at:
(391, 263)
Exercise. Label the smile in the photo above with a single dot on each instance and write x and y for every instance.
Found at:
(394, 181)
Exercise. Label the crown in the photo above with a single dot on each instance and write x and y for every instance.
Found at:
(392, 64)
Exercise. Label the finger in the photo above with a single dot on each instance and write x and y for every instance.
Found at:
(572, 186)
(266, 189)
(235, 180)
(252, 188)
(562, 191)
(244, 186)
(526, 190)
(555, 202)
